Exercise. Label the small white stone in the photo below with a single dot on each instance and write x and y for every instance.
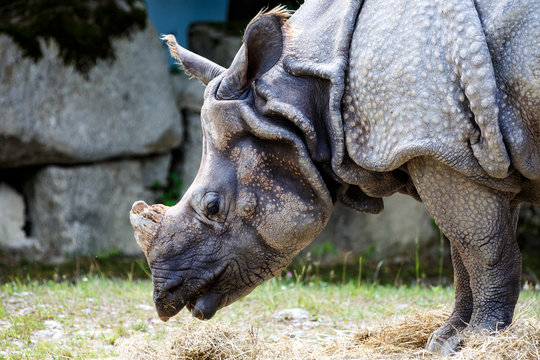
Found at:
(294, 314)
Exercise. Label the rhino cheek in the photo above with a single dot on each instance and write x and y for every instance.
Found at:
(289, 224)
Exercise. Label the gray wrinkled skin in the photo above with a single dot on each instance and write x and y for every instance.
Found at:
(351, 102)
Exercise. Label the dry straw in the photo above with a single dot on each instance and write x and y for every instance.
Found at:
(402, 338)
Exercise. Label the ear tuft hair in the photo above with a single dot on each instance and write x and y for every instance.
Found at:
(280, 11)
(193, 64)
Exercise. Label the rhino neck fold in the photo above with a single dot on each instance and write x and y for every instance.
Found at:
(306, 88)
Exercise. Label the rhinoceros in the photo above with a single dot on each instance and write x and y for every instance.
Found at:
(348, 102)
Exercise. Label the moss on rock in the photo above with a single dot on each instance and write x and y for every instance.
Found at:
(83, 29)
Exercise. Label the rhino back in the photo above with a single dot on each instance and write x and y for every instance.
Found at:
(421, 82)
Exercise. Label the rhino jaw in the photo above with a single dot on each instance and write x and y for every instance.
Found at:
(146, 221)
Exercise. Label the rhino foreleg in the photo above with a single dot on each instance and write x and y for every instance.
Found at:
(480, 224)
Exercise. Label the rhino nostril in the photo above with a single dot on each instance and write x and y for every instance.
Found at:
(173, 289)
(165, 295)
(199, 294)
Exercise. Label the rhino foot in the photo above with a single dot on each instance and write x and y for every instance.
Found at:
(444, 346)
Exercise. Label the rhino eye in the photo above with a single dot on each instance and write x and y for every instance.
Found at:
(211, 204)
(213, 207)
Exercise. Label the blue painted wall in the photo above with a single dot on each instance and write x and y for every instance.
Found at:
(175, 16)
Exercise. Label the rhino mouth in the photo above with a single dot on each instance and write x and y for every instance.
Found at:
(202, 298)
(204, 295)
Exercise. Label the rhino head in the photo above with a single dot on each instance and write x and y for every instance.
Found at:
(257, 200)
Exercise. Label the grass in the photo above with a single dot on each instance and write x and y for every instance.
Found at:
(97, 317)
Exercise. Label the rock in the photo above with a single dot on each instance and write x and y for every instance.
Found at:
(297, 334)
(187, 165)
(216, 41)
(295, 314)
(53, 332)
(84, 210)
(155, 173)
(51, 113)
(397, 227)
(391, 234)
(12, 236)
(155, 170)
(189, 93)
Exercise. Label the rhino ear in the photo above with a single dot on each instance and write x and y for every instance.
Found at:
(263, 44)
(193, 64)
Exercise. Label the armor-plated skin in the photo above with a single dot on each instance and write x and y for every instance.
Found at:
(350, 102)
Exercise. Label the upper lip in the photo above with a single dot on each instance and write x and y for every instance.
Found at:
(174, 296)
(191, 303)
(169, 288)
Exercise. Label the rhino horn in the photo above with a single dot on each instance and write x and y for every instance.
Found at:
(146, 220)
(262, 48)
(193, 64)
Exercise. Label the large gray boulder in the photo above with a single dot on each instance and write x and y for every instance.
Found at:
(189, 99)
(188, 93)
(82, 210)
(51, 113)
(216, 41)
(188, 163)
